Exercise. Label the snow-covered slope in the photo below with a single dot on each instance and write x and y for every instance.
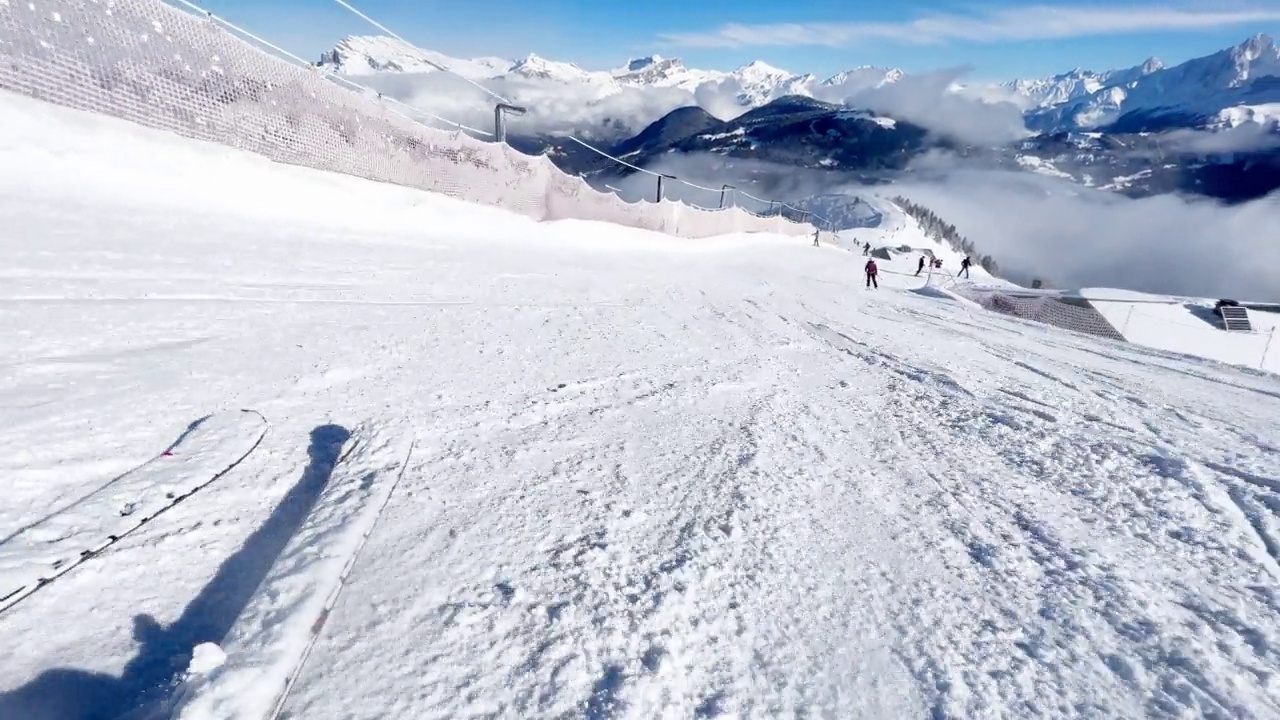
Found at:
(892, 228)
(1264, 114)
(1187, 325)
(649, 477)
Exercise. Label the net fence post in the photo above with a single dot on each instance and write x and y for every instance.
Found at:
(500, 119)
(1262, 364)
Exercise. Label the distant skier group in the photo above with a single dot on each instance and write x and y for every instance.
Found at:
(933, 263)
(872, 270)
(936, 263)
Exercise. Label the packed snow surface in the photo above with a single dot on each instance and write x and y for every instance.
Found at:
(1188, 326)
(650, 477)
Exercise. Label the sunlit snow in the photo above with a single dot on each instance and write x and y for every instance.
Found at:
(649, 477)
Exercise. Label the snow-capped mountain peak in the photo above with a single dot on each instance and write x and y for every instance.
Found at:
(1058, 89)
(533, 66)
(1153, 96)
(1151, 65)
(369, 54)
(760, 69)
(864, 75)
(1079, 83)
(1256, 57)
(1145, 95)
(1255, 47)
(751, 85)
(760, 83)
(639, 64)
(657, 71)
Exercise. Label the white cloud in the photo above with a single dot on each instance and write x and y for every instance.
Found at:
(1249, 137)
(1078, 237)
(1032, 22)
(1037, 226)
(592, 110)
(720, 98)
(929, 100)
(764, 180)
(599, 108)
(608, 111)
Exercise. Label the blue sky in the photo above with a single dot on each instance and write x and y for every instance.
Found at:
(998, 39)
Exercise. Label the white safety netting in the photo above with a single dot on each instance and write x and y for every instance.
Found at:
(1066, 313)
(163, 67)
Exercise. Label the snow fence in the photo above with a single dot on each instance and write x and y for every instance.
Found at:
(163, 67)
(1050, 308)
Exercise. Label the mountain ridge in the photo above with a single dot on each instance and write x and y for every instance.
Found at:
(753, 84)
(1195, 91)
(1191, 93)
(1086, 126)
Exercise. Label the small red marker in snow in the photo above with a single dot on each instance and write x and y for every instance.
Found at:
(167, 453)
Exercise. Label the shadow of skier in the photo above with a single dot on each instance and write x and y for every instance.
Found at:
(163, 653)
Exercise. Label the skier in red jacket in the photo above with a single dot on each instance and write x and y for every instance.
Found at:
(872, 270)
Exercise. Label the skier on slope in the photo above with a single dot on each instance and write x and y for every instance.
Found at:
(872, 271)
(920, 267)
(964, 266)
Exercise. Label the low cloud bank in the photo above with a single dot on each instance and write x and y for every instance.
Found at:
(603, 111)
(1244, 138)
(1037, 226)
(764, 180)
(592, 112)
(932, 101)
(1034, 226)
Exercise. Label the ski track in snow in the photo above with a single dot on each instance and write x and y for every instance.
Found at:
(652, 478)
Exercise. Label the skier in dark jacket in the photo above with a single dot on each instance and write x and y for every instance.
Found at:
(872, 271)
(920, 267)
(964, 266)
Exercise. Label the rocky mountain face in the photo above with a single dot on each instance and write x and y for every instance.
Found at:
(855, 146)
(792, 130)
(1077, 84)
(1152, 98)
